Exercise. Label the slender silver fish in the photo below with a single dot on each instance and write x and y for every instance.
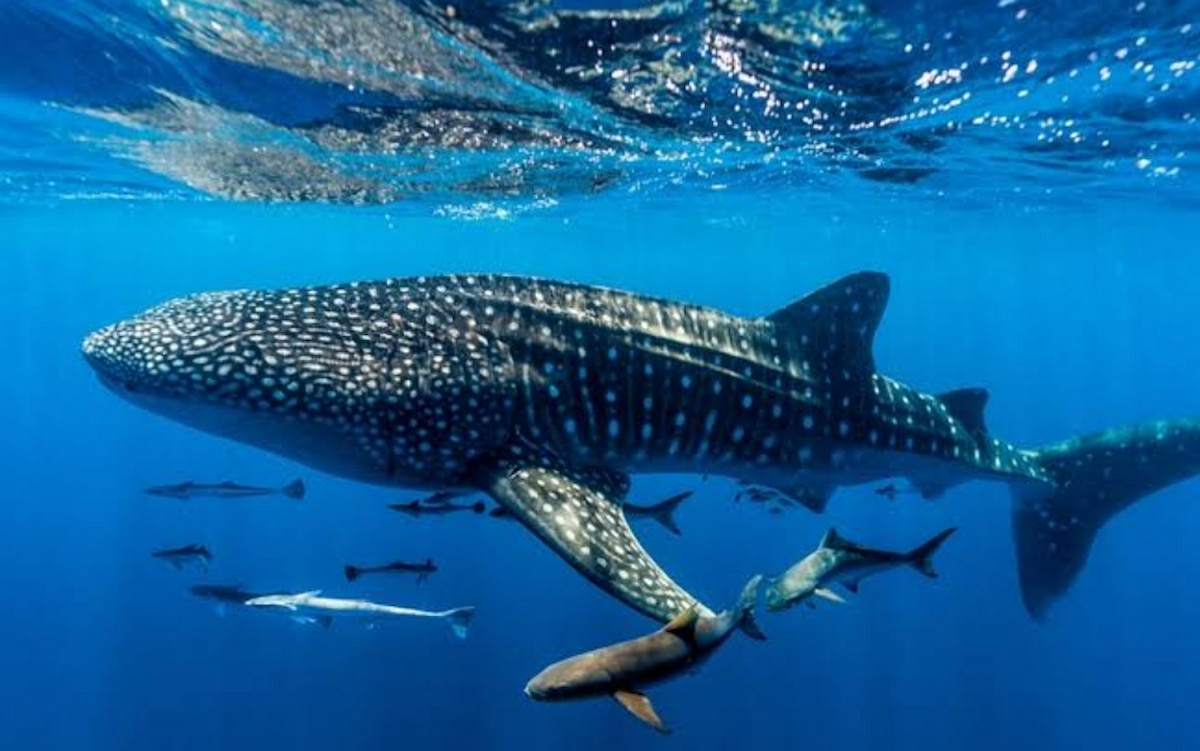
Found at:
(313, 606)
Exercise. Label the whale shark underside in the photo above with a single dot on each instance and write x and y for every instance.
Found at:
(548, 396)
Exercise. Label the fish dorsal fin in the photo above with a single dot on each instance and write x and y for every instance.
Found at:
(684, 624)
(966, 406)
(836, 324)
(832, 540)
(640, 707)
(309, 593)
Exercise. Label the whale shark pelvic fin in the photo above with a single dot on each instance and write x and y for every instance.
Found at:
(578, 514)
(1096, 477)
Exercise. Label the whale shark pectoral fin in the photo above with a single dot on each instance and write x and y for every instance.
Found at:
(640, 707)
(838, 321)
(579, 516)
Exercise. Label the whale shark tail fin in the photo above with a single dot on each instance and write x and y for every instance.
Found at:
(459, 620)
(1095, 477)
(922, 557)
(294, 490)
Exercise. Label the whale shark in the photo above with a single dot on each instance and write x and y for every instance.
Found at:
(548, 396)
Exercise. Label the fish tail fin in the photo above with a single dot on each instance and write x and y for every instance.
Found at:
(459, 620)
(351, 572)
(744, 610)
(922, 557)
(664, 512)
(294, 490)
(1094, 477)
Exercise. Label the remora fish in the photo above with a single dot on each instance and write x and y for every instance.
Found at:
(416, 508)
(548, 395)
(311, 605)
(624, 670)
(198, 555)
(423, 570)
(186, 491)
(837, 559)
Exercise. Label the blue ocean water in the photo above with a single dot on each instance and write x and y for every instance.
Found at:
(1038, 245)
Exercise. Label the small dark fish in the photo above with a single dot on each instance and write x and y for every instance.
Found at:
(180, 557)
(442, 497)
(501, 513)
(414, 508)
(662, 512)
(186, 491)
(889, 491)
(757, 494)
(223, 593)
(422, 570)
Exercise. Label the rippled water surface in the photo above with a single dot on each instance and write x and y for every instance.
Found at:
(531, 104)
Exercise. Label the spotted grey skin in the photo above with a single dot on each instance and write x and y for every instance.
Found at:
(548, 395)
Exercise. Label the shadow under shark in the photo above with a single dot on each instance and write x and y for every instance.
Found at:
(548, 395)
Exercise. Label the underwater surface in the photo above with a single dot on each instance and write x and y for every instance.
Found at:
(1024, 172)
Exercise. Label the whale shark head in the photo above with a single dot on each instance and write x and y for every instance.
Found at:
(297, 372)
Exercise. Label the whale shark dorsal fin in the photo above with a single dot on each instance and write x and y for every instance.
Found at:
(638, 704)
(836, 324)
(684, 624)
(966, 406)
(578, 514)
